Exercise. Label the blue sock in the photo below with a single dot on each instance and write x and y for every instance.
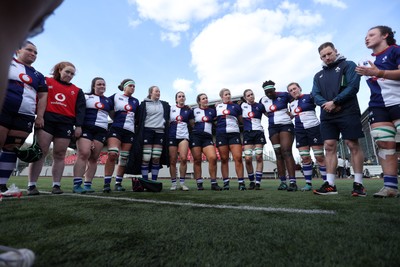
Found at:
(390, 181)
(118, 179)
(8, 162)
(78, 181)
(154, 172)
(307, 171)
(251, 177)
(107, 179)
(258, 177)
(322, 170)
(145, 171)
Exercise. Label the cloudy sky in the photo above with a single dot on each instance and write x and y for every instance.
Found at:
(205, 45)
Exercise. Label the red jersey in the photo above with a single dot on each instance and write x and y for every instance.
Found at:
(61, 98)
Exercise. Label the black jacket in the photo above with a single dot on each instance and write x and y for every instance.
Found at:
(135, 156)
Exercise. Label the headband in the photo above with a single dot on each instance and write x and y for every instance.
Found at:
(269, 87)
(128, 83)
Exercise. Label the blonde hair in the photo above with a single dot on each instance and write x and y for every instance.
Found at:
(223, 90)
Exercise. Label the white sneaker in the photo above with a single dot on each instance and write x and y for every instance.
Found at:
(387, 192)
(173, 187)
(184, 187)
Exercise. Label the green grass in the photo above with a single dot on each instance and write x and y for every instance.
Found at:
(73, 230)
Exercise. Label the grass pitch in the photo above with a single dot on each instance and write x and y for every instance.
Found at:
(203, 228)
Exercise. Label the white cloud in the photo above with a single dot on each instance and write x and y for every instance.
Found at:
(334, 3)
(182, 85)
(241, 51)
(175, 15)
(134, 23)
(246, 5)
(172, 37)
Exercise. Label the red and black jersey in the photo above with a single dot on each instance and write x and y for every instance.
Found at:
(65, 101)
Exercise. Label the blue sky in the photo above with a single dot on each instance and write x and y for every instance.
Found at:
(205, 45)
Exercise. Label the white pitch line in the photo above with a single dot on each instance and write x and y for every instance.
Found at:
(200, 205)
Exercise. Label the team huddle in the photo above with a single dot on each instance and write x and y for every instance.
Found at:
(145, 135)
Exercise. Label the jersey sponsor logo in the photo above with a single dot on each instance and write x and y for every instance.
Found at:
(273, 108)
(25, 78)
(60, 97)
(179, 118)
(298, 110)
(251, 114)
(226, 112)
(128, 107)
(204, 119)
(99, 105)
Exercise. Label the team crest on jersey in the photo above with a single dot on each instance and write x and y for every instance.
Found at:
(337, 69)
(315, 140)
(384, 59)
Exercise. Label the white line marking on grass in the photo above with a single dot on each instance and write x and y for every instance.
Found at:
(199, 205)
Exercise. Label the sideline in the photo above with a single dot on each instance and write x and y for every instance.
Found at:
(200, 205)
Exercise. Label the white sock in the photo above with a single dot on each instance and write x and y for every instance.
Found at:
(330, 178)
(358, 178)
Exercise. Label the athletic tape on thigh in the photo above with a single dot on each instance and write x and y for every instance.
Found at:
(157, 152)
(248, 152)
(397, 126)
(304, 153)
(123, 158)
(384, 133)
(259, 150)
(146, 154)
(318, 152)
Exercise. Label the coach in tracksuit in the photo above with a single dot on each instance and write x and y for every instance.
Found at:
(335, 90)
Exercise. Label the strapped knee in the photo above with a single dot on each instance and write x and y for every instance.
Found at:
(248, 152)
(113, 150)
(384, 133)
(146, 154)
(156, 152)
(318, 152)
(304, 153)
(123, 158)
(276, 147)
(259, 150)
